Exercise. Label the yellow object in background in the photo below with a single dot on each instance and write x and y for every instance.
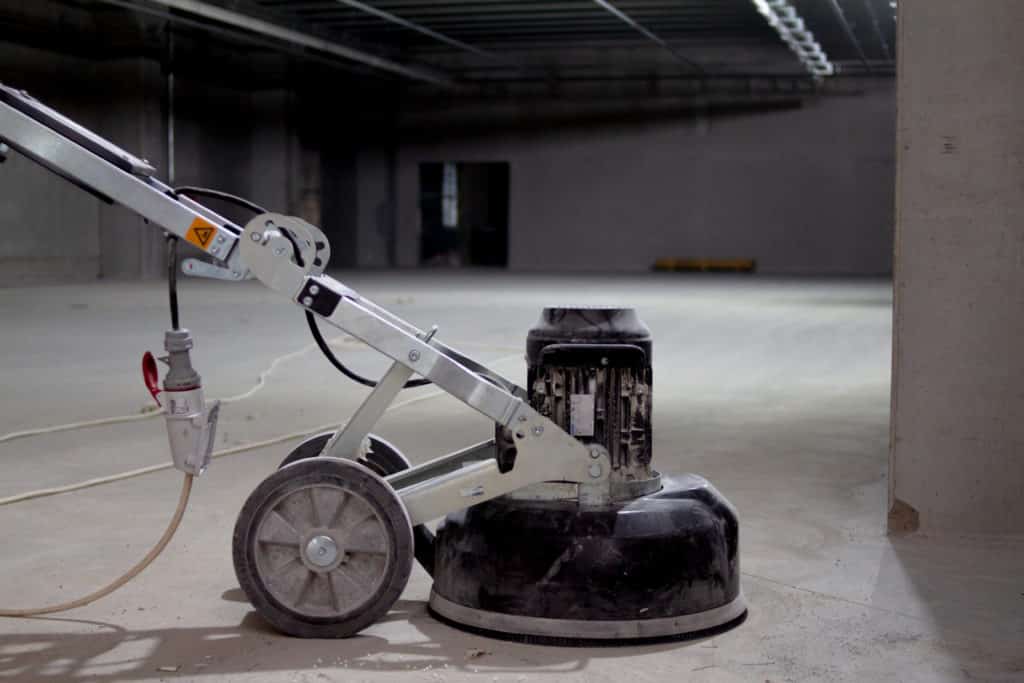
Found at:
(706, 265)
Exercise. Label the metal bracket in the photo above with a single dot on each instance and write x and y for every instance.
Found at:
(197, 268)
(546, 453)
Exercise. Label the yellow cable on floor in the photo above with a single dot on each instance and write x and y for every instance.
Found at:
(186, 489)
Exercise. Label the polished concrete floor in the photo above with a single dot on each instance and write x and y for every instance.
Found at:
(777, 390)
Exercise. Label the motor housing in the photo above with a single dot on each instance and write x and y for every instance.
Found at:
(657, 558)
(589, 371)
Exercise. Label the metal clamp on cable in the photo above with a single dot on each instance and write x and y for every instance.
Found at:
(191, 423)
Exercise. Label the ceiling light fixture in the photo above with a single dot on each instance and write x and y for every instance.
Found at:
(783, 17)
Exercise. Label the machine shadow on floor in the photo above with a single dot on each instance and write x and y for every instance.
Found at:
(112, 653)
(972, 591)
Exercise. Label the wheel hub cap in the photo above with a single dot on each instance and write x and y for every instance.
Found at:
(322, 551)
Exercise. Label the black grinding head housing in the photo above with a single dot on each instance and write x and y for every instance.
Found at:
(655, 567)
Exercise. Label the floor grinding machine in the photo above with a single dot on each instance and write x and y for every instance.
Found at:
(557, 529)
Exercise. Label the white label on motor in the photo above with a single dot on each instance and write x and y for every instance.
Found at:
(581, 414)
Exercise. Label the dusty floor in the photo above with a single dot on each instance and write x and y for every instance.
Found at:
(776, 390)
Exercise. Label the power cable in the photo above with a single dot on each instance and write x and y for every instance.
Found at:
(172, 526)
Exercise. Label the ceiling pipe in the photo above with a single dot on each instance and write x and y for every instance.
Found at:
(878, 29)
(418, 28)
(266, 29)
(447, 40)
(605, 4)
(838, 11)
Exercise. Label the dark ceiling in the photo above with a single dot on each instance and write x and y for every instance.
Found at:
(701, 36)
(468, 44)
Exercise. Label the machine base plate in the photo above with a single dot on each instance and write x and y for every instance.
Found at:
(583, 632)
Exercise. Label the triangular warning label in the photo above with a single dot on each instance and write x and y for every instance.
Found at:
(200, 233)
(203, 235)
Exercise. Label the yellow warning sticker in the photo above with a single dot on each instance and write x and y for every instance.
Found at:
(201, 233)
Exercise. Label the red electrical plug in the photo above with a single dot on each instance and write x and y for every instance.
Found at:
(151, 376)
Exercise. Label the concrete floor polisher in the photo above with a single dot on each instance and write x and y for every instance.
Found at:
(647, 557)
(557, 528)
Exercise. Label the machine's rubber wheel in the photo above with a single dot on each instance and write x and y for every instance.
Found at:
(383, 459)
(323, 548)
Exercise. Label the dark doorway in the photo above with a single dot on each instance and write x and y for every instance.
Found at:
(464, 213)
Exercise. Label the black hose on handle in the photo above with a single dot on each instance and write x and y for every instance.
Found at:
(172, 279)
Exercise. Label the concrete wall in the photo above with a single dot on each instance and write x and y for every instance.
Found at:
(801, 190)
(804, 190)
(230, 139)
(958, 381)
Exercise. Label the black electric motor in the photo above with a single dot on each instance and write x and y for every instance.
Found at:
(590, 373)
(658, 559)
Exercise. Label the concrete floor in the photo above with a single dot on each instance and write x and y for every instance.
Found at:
(776, 390)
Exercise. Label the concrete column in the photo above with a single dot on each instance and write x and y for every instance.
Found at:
(340, 205)
(375, 206)
(407, 209)
(132, 116)
(285, 171)
(957, 461)
(271, 178)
